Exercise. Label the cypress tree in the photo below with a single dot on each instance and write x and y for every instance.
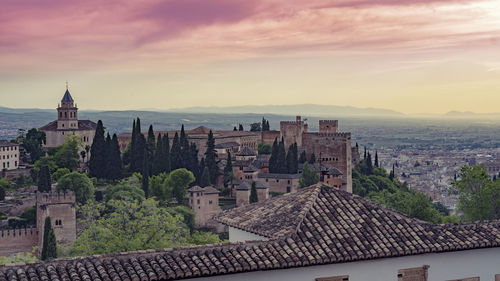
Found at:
(44, 179)
(201, 167)
(107, 148)
(235, 129)
(97, 162)
(140, 146)
(281, 165)
(205, 177)
(263, 125)
(369, 164)
(49, 248)
(228, 170)
(151, 147)
(240, 128)
(145, 174)
(192, 160)
(253, 193)
(166, 161)
(158, 156)
(376, 158)
(302, 158)
(267, 126)
(185, 154)
(273, 160)
(364, 156)
(175, 153)
(133, 147)
(115, 165)
(312, 160)
(211, 157)
(289, 160)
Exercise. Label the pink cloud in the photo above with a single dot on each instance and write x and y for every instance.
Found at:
(95, 33)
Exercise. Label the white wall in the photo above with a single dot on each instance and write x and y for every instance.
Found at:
(484, 263)
(237, 235)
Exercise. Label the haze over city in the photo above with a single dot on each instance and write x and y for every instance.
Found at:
(412, 56)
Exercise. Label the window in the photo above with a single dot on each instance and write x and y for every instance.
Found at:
(288, 181)
(413, 274)
(198, 201)
(334, 278)
(288, 189)
(210, 202)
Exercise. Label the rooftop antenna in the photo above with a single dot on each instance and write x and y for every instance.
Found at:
(66, 85)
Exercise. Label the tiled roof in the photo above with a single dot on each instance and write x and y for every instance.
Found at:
(279, 176)
(314, 226)
(82, 125)
(4, 143)
(227, 145)
(206, 189)
(67, 97)
(246, 151)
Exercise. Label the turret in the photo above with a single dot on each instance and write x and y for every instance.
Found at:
(67, 113)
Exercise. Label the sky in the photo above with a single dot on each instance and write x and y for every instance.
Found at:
(412, 56)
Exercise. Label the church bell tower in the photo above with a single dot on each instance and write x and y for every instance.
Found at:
(67, 113)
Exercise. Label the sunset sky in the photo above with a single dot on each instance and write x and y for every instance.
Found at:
(413, 56)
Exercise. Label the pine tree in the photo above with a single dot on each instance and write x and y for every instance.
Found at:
(205, 177)
(312, 160)
(49, 247)
(273, 160)
(175, 153)
(97, 163)
(281, 163)
(158, 156)
(240, 127)
(303, 157)
(166, 161)
(145, 174)
(44, 180)
(115, 165)
(253, 193)
(228, 170)
(211, 157)
(376, 159)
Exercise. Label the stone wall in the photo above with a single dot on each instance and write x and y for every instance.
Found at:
(60, 207)
(14, 241)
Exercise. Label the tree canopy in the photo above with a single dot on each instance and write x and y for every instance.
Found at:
(80, 184)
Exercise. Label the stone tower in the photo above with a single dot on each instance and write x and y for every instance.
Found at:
(67, 113)
(60, 207)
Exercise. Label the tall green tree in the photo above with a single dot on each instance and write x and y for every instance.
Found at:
(376, 159)
(132, 149)
(205, 177)
(479, 196)
(302, 157)
(240, 127)
(79, 184)
(281, 165)
(263, 149)
(178, 181)
(166, 160)
(151, 147)
(253, 193)
(312, 160)
(292, 160)
(192, 160)
(97, 162)
(255, 127)
(211, 157)
(228, 170)
(369, 164)
(44, 180)
(139, 148)
(66, 155)
(176, 153)
(115, 165)
(32, 142)
(159, 155)
(309, 177)
(49, 247)
(273, 160)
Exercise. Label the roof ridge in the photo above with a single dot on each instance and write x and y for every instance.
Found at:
(309, 204)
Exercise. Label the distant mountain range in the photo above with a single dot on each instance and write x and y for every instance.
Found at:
(297, 109)
(470, 114)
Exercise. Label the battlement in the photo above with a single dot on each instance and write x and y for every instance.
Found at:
(55, 197)
(290, 122)
(18, 233)
(342, 135)
(336, 122)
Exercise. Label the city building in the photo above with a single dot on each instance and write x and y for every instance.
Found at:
(204, 201)
(318, 233)
(67, 124)
(9, 155)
